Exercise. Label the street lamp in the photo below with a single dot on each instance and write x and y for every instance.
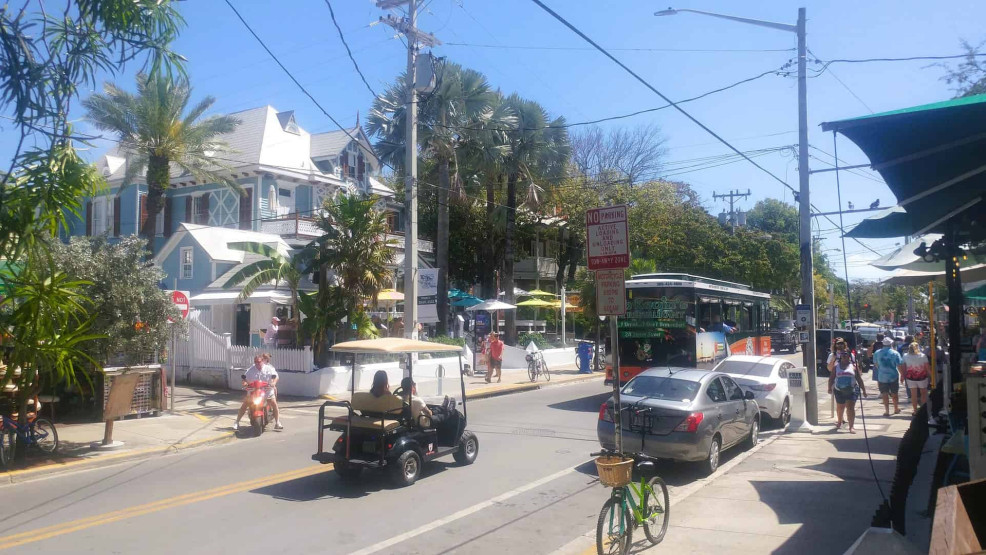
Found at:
(807, 272)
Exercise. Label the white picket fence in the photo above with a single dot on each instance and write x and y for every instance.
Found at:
(206, 358)
(285, 360)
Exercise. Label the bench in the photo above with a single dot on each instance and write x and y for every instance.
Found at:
(375, 413)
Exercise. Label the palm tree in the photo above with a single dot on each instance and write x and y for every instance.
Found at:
(275, 268)
(461, 99)
(537, 148)
(155, 130)
(356, 250)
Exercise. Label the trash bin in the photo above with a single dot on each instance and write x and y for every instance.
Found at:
(148, 397)
(584, 354)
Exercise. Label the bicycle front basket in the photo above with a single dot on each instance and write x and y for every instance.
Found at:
(614, 472)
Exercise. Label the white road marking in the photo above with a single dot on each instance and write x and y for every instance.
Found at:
(463, 513)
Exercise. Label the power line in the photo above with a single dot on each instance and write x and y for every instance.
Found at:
(845, 86)
(535, 47)
(342, 37)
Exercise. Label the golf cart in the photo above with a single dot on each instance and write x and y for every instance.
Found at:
(378, 432)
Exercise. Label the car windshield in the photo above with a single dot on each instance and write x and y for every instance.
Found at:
(745, 368)
(661, 387)
(782, 324)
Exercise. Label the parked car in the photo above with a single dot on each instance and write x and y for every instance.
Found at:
(823, 344)
(766, 377)
(783, 336)
(682, 414)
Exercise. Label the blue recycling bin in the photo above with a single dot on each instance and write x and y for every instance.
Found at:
(584, 354)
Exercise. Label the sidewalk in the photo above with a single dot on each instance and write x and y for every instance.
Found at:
(803, 493)
(204, 417)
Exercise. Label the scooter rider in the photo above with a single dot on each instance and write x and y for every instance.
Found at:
(262, 372)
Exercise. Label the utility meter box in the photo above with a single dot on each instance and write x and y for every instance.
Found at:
(797, 380)
(797, 384)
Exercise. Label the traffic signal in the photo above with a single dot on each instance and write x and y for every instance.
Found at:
(866, 306)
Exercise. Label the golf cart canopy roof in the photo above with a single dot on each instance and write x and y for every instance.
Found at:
(392, 345)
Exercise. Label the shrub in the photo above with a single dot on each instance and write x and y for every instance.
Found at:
(446, 340)
(537, 338)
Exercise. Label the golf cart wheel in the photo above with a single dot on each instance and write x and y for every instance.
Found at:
(406, 469)
(468, 448)
(346, 470)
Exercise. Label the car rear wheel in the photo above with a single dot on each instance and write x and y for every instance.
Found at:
(712, 460)
(406, 468)
(785, 413)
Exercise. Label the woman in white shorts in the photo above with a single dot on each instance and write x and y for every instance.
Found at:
(915, 372)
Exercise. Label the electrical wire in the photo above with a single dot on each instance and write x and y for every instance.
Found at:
(845, 263)
(683, 50)
(342, 37)
(844, 85)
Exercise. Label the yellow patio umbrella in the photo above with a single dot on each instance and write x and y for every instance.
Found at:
(390, 295)
(537, 303)
(540, 293)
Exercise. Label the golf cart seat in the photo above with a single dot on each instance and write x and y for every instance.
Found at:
(376, 413)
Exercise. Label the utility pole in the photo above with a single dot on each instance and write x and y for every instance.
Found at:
(406, 26)
(732, 196)
(804, 199)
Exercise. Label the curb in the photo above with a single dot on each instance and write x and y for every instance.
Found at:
(11, 477)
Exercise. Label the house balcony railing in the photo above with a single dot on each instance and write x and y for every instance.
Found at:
(305, 227)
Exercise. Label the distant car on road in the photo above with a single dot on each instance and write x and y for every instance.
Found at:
(783, 336)
(766, 377)
(682, 414)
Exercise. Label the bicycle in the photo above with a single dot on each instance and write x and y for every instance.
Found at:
(537, 367)
(631, 505)
(37, 432)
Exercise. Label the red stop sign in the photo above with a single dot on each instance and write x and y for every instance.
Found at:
(181, 302)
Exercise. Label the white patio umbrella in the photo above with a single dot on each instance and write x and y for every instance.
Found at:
(491, 305)
(903, 258)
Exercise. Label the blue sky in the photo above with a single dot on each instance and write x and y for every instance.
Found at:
(682, 56)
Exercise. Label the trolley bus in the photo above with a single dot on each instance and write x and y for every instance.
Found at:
(689, 321)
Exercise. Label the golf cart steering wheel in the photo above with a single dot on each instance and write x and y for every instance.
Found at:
(399, 392)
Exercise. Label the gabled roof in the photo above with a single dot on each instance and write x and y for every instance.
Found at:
(215, 242)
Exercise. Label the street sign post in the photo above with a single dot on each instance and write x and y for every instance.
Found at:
(181, 302)
(802, 315)
(608, 240)
(608, 253)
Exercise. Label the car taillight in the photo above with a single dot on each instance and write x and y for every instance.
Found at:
(691, 423)
(604, 414)
(763, 387)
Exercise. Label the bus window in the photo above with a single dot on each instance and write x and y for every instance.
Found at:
(709, 312)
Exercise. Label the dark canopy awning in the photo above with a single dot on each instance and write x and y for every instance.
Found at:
(933, 158)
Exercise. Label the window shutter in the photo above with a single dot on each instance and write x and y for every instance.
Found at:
(203, 215)
(143, 213)
(168, 209)
(117, 204)
(360, 167)
(246, 209)
(89, 218)
(188, 210)
(345, 164)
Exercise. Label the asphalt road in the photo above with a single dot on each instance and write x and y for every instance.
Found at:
(532, 489)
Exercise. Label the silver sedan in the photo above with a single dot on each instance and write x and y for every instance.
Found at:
(682, 414)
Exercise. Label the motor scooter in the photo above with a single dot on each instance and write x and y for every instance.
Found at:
(260, 410)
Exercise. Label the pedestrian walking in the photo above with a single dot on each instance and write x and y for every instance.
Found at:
(496, 357)
(916, 372)
(270, 337)
(845, 382)
(886, 361)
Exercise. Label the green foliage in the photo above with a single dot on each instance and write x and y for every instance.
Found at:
(123, 290)
(969, 76)
(537, 338)
(446, 340)
(773, 216)
(157, 129)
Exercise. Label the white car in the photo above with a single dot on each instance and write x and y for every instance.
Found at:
(766, 377)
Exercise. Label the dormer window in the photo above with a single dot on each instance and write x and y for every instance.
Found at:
(288, 124)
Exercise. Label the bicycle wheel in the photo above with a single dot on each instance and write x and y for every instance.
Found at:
(43, 435)
(7, 440)
(656, 508)
(612, 518)
(578, 363)
(532, 370)
(544, 370)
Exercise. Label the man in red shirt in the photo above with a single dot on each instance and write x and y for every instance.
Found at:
(496, 357)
